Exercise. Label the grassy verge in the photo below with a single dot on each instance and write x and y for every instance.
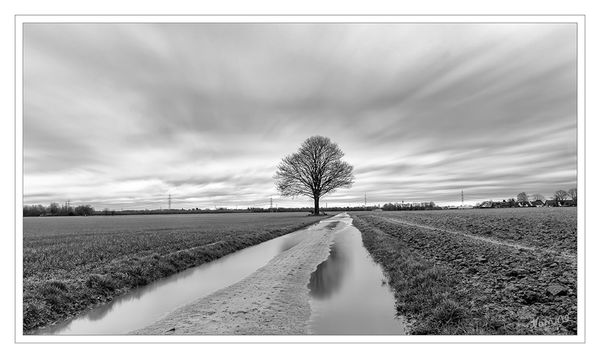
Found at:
(448, 285)
(57, 288)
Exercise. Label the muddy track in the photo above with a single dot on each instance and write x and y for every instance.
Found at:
(273, 300)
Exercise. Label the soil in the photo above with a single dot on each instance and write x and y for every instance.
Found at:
(506, 288)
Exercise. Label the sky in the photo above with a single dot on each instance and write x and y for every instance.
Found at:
(120, 116)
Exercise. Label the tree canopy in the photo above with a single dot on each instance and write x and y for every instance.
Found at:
(522, 197)
(315, 170)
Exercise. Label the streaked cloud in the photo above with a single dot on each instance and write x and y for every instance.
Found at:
(120, 115)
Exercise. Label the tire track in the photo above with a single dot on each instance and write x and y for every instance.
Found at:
(482, 238)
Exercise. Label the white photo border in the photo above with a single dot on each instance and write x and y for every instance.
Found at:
(20, 20)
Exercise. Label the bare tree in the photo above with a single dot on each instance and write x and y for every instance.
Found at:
(538, 197)
(314, 171)
(572, 193)
(561, 195)
(54, 209)
(522, 197)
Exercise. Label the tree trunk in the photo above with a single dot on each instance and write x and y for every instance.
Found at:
(316, 205)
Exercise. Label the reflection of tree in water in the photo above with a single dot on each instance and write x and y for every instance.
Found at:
(328, 277)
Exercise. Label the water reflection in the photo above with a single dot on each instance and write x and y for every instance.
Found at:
(346, 295)
(99, 312)
(329, 275)
(146, 304)
(289, 243)
(346, 292)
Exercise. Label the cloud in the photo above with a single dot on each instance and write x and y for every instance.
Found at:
(123, 114)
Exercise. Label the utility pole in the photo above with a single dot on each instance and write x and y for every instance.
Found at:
(169, 201)
(365, 200)
(462, 198)
(271, 207)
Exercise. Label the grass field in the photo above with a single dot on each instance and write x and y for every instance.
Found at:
(73, 263)
(496, 271)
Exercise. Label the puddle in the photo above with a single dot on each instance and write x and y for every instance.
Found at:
(347, 294)
(146, 304)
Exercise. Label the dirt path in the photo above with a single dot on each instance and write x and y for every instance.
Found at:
(272, 300)
(481, 238)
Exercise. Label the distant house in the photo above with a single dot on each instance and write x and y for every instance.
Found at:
(551, 203)
(502, 204)
(568, 203)
(537, 203)
(487, 205)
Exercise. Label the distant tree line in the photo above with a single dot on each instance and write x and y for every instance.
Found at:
(410, 206)
(217, 210)
(559, 198)
(221, 210)
(54, 209)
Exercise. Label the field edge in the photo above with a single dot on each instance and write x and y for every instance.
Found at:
(450, 293)
(50, 302)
